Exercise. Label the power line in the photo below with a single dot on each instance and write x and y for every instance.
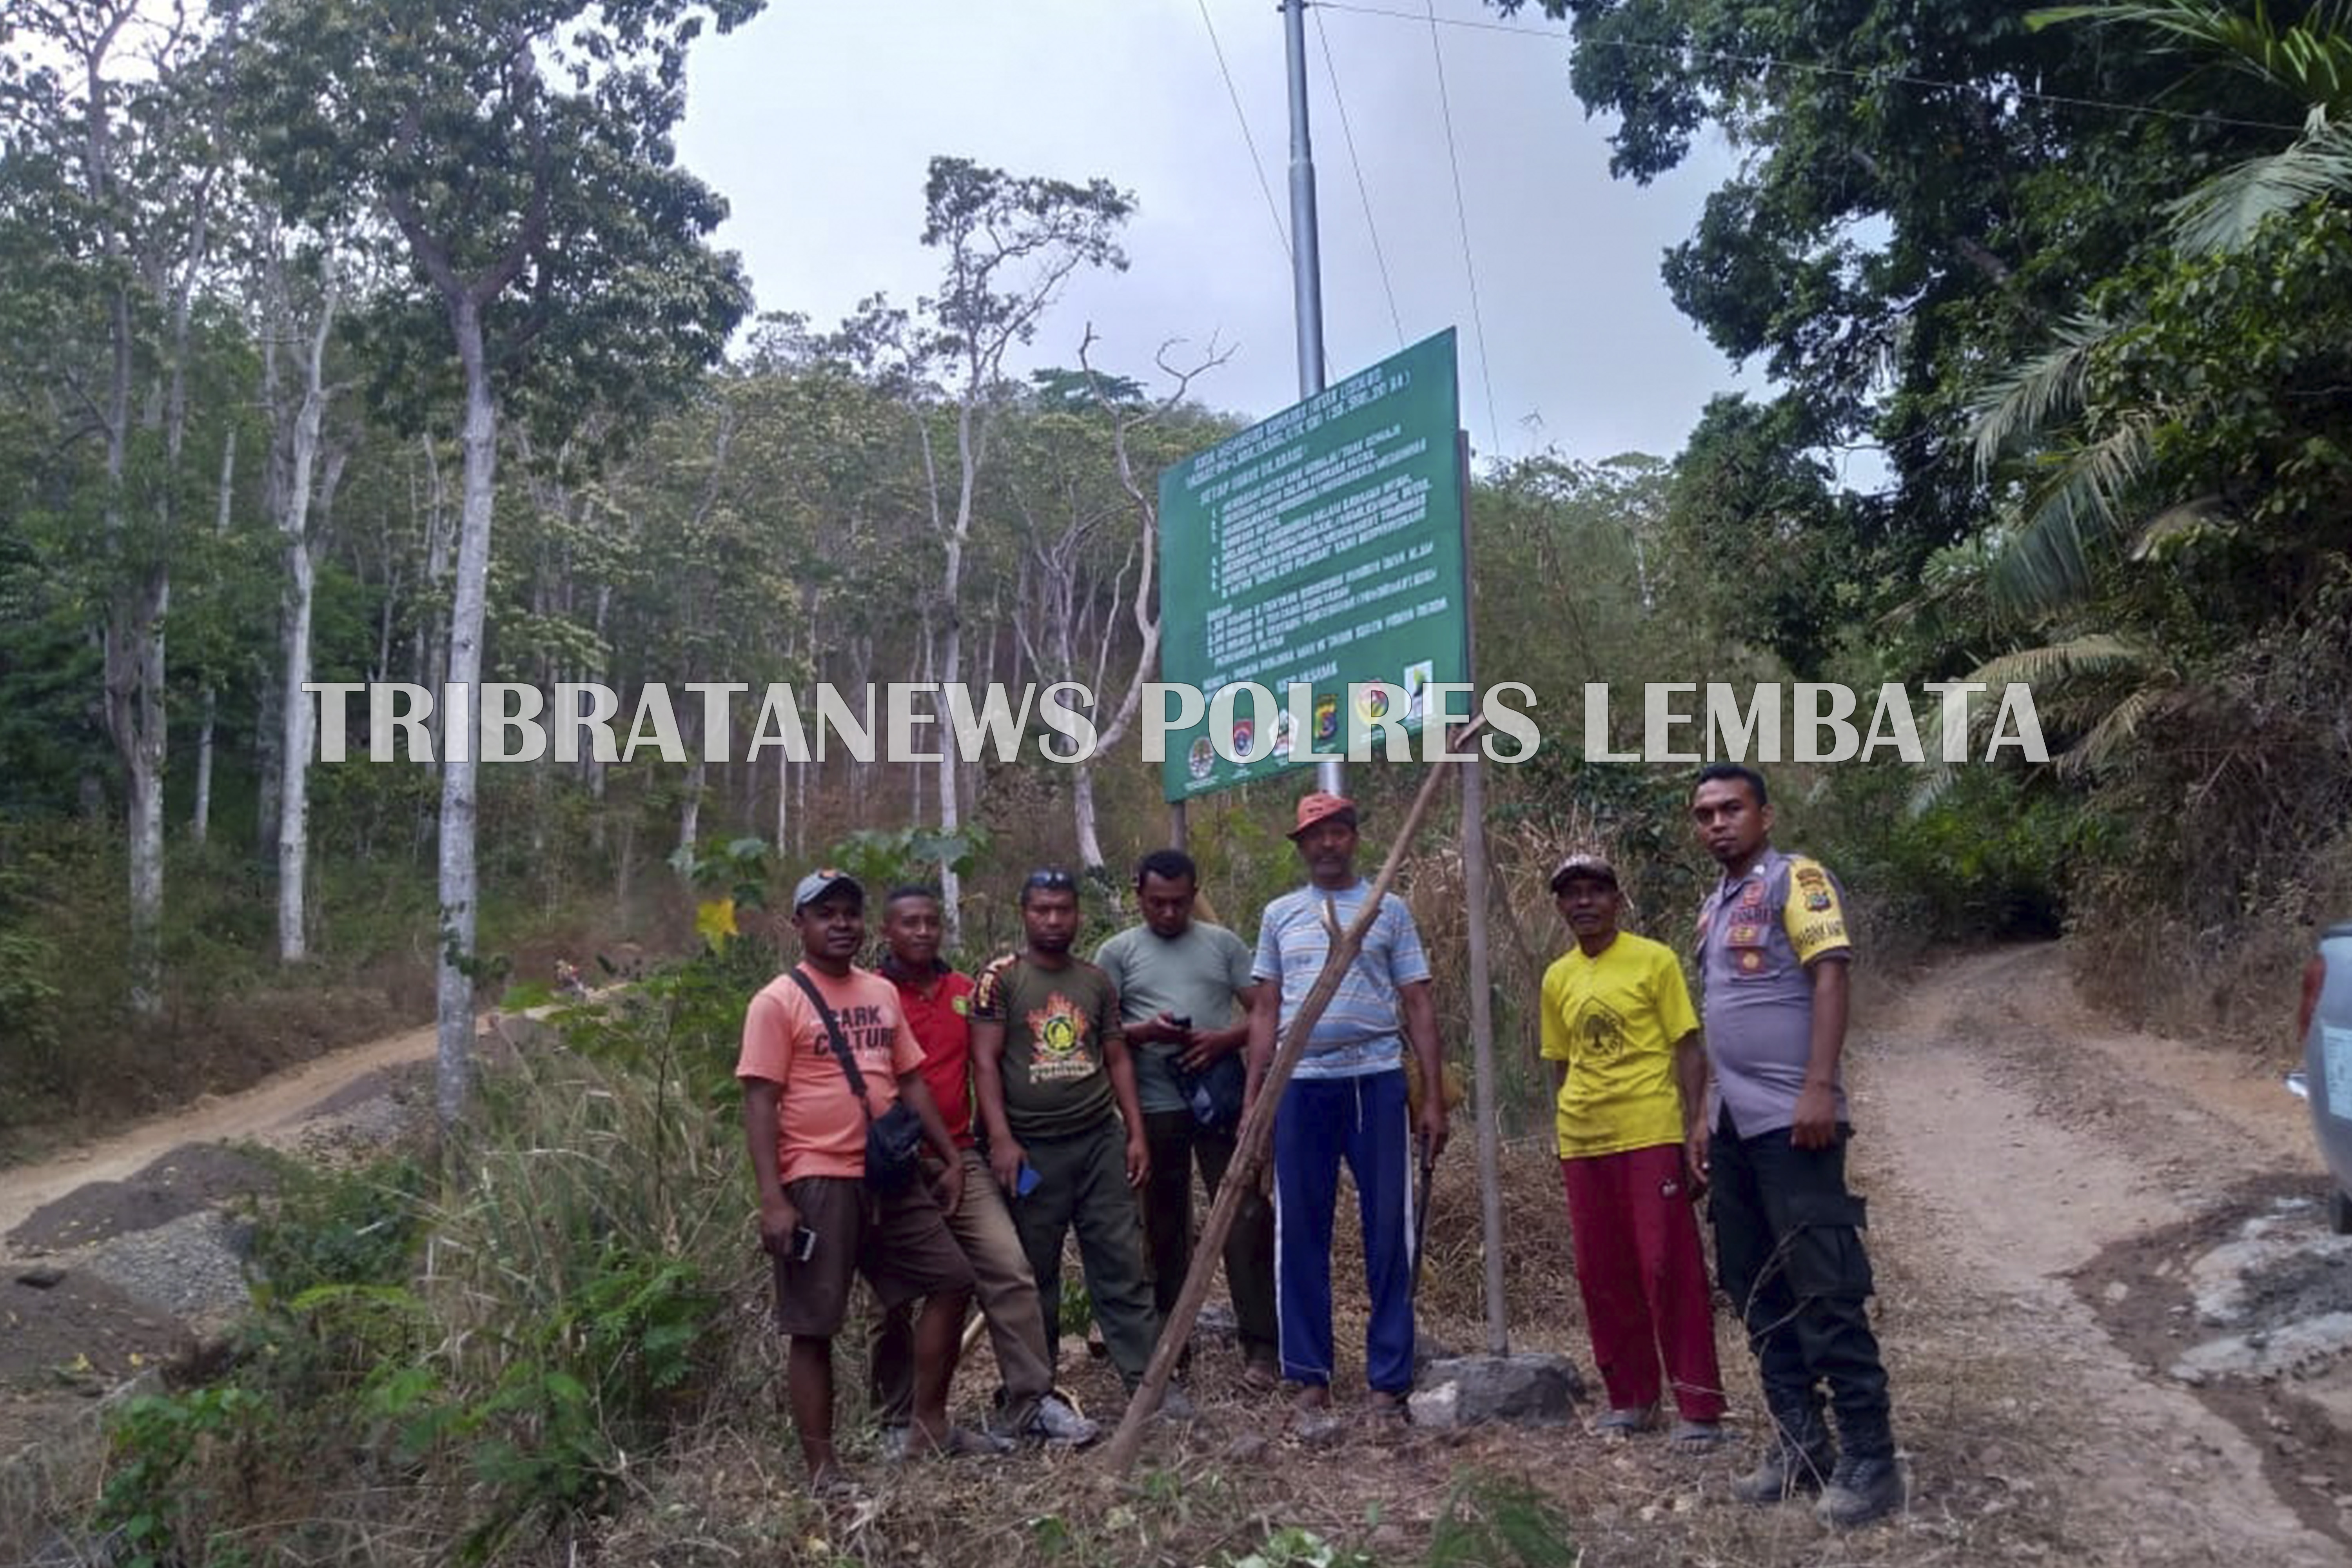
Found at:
(1362, 192)
(1774, 62)
(1462, 218)
(1280, 234)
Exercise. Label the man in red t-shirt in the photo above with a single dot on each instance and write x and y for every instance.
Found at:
(938, 1004)
(806, 1134)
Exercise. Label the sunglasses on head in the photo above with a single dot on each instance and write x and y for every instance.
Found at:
(1050, 880)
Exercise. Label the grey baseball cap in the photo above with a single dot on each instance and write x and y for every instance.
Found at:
(818, 883)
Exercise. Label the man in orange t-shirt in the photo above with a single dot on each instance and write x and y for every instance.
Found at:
(806, 1134)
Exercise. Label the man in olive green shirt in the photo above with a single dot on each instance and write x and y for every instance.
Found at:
(1056, 1087)
(1184, 992)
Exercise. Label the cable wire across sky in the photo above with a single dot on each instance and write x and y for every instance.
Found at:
(1281, 234)
(1364, 191)
(1815, 67)
(1462, 216)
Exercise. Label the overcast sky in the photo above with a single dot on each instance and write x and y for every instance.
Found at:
(818, 119)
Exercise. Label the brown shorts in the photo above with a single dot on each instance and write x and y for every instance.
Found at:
(900, 1243)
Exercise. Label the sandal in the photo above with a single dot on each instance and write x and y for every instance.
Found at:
(1698, 1437)
(833, 1484)
(1261, 1375)
(961, 1443)
(1389, 1409)
(1312, 1420)
(1625, 1420)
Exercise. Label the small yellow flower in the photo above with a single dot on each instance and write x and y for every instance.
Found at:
(715, 922)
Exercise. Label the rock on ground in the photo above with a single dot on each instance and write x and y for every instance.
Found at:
(1527, 1389)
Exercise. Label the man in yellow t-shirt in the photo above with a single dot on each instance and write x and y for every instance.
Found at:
(1622, 1039)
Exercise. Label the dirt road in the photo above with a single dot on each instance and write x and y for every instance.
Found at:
(2116, 1322)
(275, 1106)
(2136, 1219)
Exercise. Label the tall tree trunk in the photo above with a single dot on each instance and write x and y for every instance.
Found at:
(200, 820)
(133, 674)
(301, 575)
(269, 747)
(200, 815)
(949, 768)
(454, 1008)
(294, 807)
(690, 812)
(784, 798)
(383, 668)
(926, 670)
(135, 718)
(951, 646)
(591, 769)
(435, 651)
(627, 865)
(992, 649)
(133, 646)
(1082, 806)
(800, 810)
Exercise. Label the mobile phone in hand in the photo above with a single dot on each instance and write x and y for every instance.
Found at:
(803, 1244)
(1026, 1181)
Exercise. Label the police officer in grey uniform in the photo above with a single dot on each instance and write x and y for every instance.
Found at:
(1773, 957)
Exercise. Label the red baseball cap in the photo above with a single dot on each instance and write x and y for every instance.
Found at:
(1317, 805)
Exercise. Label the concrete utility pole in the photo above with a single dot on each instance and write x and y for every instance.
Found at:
(1485, 1090)
(1305, 263)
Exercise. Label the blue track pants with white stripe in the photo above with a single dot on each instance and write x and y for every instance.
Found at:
(1365, 1121)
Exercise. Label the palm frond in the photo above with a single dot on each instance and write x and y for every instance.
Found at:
(2023, 398)
(2178, 527)
(2095, 653)
(2223, 212)
(2115, 731)
(2046, 561)
(2311, 58)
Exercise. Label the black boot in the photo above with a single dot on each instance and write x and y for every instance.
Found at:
(1861, 1489)
(1801, 1457)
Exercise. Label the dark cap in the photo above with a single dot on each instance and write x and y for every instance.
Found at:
(817, 884)
(1583, 864)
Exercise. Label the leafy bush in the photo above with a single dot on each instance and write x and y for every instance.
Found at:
(1294, 1547)
(1498, 1521)
(157, 1497)
(344, 1227)
(488, 1347)
(29, 1008)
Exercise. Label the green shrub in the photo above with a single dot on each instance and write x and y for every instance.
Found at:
(1499, 1521)
(157, 1499)
(343, 1227)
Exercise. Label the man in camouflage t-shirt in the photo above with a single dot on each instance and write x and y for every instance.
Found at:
(1056, 1093)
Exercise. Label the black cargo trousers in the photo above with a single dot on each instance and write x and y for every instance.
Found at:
(1789, 1253)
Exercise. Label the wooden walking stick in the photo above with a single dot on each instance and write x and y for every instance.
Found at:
(1258, 1129)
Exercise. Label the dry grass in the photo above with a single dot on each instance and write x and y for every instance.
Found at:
(1985, 1434)
(2234, 981)
(1988, 1438)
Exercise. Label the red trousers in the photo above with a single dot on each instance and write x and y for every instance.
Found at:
(1644, 1280)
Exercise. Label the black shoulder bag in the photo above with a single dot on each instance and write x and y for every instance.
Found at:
(894, 1140)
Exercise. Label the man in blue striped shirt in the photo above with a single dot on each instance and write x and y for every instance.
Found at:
(1345, 1100)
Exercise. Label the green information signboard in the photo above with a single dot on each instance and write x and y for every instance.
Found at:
(1323, 547)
